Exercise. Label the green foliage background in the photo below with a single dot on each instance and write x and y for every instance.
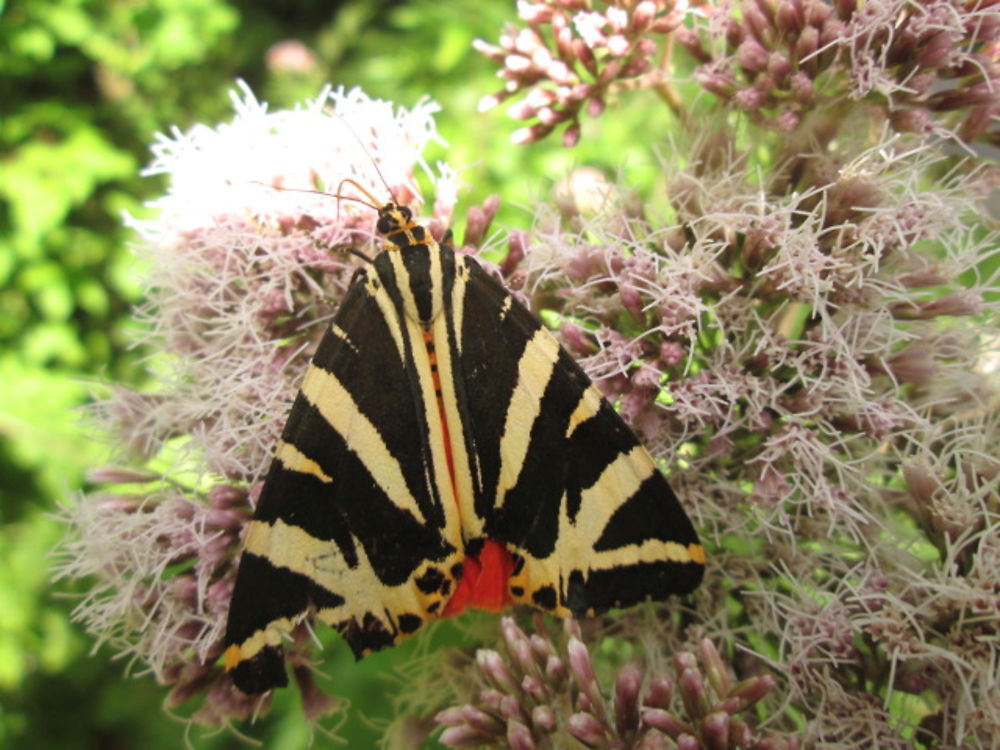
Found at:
(85, 86)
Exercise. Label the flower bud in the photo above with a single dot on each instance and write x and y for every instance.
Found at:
(493, 668)
(588, 730)
(462, 736)
(626, 700)
(664, 721)
(752, 56)
(519, 737)
(692, 690)
(715, 731)
(543, 718)
(715, 669)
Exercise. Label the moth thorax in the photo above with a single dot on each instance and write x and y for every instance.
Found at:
(415, 272)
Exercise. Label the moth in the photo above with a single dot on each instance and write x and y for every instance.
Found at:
(445, 452)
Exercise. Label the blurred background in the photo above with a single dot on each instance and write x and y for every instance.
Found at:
(84, 88)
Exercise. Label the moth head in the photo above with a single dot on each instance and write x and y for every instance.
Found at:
(392, 217)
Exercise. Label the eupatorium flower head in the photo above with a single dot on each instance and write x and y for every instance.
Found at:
(242, 279)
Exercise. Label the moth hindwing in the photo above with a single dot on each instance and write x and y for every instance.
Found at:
(445, 452)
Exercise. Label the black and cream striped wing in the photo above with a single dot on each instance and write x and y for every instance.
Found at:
(350, 523)
(561, 480)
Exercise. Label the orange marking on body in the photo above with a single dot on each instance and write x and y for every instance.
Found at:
(484, 583)
(446, 434)
(232, 657)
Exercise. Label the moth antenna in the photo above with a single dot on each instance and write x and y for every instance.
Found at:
(369, 196)
(368, 153)
(373, 205)
(336, 195)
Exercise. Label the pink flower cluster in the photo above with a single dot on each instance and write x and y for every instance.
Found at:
(928, 67)
(570, 56)
(244, 280)
(538, 690)
(814, 366)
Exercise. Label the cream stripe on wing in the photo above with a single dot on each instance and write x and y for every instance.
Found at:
(619, 481)
(458, 291)
(288, 546)
(534, 371)
(376, 288)
(334, 402)
(295, 460)
(590, 403)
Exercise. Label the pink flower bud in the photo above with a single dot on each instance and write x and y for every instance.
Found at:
(559, 72)
(961, 98)
(226, 497)
(831, 33)
(521, 110)
(291, 55)
(751, 690)
(690, 41)
(778, 66)
(740, 734)
(555, 671)
(642, 16)
(626, 700)
(664, 721)
(517, 64)
(588, 730)
(618, 45)
(715, 668)
(752, 56)
(923, 486)
(816, 13)
(511, 709)
(544, 718)
(550, 116)
(519, 737)
(534, 13)
(542, 58)
(805, 47)
(571, 135)
(617, 18)
(715, 731)
(489, 102)
(462, 736)
(483, 722)
(717, 83)
(750, 99)
(915, 364)
(535, 688)
(492, 665)
(936, 52)
(315, 703)
(524, 136)
(119, 475)
(692, 690)
(787, 121)
(789, 18)
(961, 303)
(914, 677)
(516, 249)
(450, 717)
(801, 87)
(755, 21)
(527, 42)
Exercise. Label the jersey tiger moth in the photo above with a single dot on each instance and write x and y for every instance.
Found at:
(445, 452)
